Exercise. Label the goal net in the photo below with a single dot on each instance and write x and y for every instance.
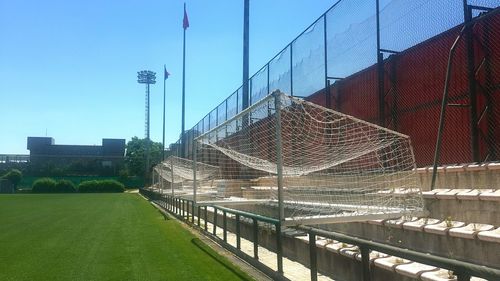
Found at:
(306, 164)
(175, 176)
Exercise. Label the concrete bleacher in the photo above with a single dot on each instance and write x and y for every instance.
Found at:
(463, 224)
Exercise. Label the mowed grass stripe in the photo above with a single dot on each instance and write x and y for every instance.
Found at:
(99, 237)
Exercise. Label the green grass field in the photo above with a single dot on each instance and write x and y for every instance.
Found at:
(100, 237)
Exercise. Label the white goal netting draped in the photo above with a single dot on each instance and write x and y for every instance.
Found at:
(335, 167)
(175, 175)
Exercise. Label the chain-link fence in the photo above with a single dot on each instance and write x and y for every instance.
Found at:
(386, 61)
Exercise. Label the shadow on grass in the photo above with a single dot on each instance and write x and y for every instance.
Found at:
(220, 259)
(165, 216)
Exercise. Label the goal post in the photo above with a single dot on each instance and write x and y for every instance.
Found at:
(305, 164)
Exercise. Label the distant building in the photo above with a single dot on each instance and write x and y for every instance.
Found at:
(43, 152)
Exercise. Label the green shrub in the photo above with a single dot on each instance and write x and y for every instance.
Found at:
(112, 186)
(44, 185)
(88, 186)
(65, 186)
(14, 176)
(96, 186)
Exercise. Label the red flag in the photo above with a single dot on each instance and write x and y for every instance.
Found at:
(185, 21)
(166, 74)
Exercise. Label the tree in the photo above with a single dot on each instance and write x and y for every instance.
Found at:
(136, 155)
(14, 176)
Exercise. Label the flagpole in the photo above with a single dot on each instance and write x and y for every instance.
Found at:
(163, 141)
(183, 84)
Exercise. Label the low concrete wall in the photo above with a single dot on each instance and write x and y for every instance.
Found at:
(472, 211)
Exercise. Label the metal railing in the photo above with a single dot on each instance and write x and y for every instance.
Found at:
(189, 212)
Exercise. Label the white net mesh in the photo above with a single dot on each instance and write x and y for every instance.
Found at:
(335, 167)
(175, 176)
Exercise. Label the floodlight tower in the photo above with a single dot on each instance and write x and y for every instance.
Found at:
(147, 77)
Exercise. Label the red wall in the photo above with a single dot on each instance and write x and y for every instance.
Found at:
(413, 85)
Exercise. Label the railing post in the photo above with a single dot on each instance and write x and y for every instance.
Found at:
(238, 238)
(463, 277)
(255, 239)
(214, 231)
(206, 217)
(365, 262)
(279, 247)
(313, 258)
(192, 212)
(183, 208)
(224, 225)
(198, 217)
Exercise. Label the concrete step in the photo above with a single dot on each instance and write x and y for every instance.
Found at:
(467, 205)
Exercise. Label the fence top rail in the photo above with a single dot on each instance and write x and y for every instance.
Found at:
(241, 213)
(249, 215)
(458, 267)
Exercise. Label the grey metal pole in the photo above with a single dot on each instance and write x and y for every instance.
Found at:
(183, 142)
(172, 173)
(163, 135)
(469, 45)
(246, 21)
(147, 138)
(279, 154)
(380, 71)
(194, 171)
(279, 172)
(444, 103)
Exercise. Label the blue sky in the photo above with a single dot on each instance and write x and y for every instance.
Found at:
(68, 68)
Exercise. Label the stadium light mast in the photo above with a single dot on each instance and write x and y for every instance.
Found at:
(147, 77)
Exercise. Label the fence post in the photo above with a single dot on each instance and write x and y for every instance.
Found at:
(214, 231)
(279, 168)
(192, 212)
(365, 262)
(463, 277)
(224, 225)
(172, 175)
(194, 175)
(205, 217)
(198, 217)
(313, 258)
(327, 81)
(255, 239)
(380, 71)
(291, 69)
(474, 132)
(279, 247)
(183, 208)
(238, 239)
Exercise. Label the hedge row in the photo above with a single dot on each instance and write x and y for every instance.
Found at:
(101, 186)
(48, 185)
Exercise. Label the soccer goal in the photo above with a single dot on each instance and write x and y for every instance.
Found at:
(175, 176)
(305, 164)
